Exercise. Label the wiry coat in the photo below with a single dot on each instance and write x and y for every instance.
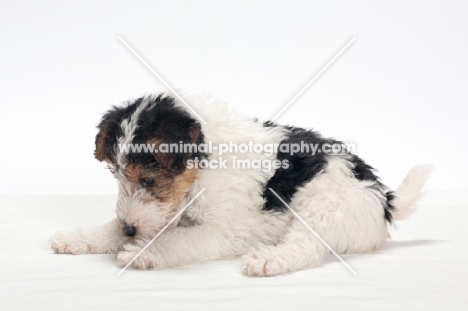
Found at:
(337, 194)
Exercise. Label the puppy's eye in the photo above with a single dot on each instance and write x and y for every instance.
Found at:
(147, 182)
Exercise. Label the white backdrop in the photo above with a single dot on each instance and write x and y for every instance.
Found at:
(399, 92)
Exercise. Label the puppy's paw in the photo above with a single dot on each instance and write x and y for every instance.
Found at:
(263, 263)
(70, 243)
(145, 260)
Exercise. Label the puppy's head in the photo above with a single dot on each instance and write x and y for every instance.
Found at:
(152, 185)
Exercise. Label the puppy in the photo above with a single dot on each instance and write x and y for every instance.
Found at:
(243, 194)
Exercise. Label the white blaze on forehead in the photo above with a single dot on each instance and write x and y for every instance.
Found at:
(129, 126)
(126, 196)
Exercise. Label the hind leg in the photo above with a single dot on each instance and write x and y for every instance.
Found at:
(299, 249)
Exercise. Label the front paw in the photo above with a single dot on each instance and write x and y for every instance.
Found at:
(263, 263)
(131, 254)
(69, 243)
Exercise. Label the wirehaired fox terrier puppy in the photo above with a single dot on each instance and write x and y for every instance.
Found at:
(239, 212)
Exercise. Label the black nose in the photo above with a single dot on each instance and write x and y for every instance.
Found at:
(129, 230)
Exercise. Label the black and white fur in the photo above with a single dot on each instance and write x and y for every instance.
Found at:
(337, 194)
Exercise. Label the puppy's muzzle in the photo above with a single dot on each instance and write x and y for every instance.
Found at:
(129, 230)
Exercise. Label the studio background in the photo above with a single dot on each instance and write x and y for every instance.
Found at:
(399, 92)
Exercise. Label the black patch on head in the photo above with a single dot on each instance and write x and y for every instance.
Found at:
(163, 121)
(170, 124)
(109, 130)
(303, 167)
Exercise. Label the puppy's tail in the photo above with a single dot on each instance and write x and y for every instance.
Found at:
(409, 192)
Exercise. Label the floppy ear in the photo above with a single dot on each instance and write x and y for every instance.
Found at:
(174, 135)
(195, 133)
(100, 152)
(168, 124)
(107, 136)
